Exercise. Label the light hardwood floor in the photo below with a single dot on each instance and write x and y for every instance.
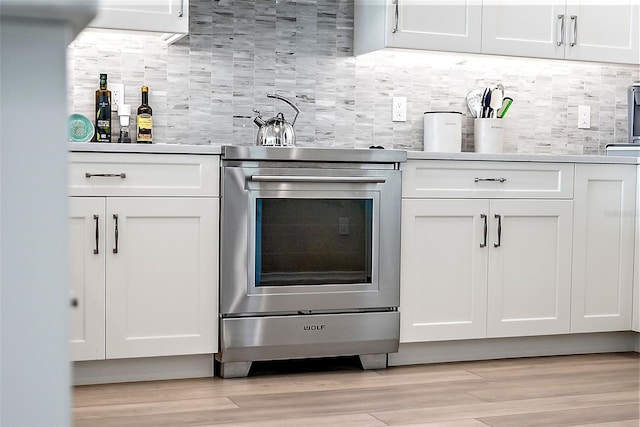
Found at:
(595, 390)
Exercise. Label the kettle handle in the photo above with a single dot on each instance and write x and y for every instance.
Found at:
(282, 98)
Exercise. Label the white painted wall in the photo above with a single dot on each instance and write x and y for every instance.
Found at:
(34, 291)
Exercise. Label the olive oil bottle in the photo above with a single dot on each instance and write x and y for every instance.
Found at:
(145, 119)
(103, 112)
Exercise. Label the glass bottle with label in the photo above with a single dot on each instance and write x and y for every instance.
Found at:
(103, 111)
(145, 119)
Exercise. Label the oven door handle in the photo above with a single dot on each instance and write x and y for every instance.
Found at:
(319, 179)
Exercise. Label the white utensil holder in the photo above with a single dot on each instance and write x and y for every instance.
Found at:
(488, 135)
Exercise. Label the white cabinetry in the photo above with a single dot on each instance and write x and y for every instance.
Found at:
(87, 247)
(636, 280)
(480, 256)
(577, 30)
(151, 288)
(418, 24)
(444, 270)
(162, 16)
(603, 247)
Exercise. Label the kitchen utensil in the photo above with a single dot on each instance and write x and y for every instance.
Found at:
(506, 103)
(496, 101)
(474, 102)
(79, 128)
(276, 131)
(485, 95)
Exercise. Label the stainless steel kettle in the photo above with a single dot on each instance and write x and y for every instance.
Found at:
(276, 131)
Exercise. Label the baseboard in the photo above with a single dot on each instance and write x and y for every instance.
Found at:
(142, 369)
(505, 348)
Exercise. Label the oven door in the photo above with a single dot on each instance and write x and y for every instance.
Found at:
(300, 240)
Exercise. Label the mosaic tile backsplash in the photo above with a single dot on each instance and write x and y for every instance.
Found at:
(204, 87)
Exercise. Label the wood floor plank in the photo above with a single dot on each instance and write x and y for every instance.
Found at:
(152, 408)
(566, 418)
(586, 390)
(217, 387)
(496, 409)
(350, 420)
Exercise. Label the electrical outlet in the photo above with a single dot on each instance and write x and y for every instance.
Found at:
(399, 109)
(117, 95)
(584, 117)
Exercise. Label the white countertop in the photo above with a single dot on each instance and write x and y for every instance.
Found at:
(101, 147)
(411, 155)
(504, 157)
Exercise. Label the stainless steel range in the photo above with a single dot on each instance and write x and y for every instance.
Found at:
(310, 255)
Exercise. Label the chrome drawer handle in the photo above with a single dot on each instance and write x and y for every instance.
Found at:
(105, 175)
(484, 244)
(320, 179)
(561, 40)
(490, 179)
(115, 218)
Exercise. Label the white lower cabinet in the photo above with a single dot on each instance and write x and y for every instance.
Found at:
(151, 288)
(529, 289)
(444, 270)
(87, 277)
(144, 238)
(161, 296)
(603, 245)
(477, 268)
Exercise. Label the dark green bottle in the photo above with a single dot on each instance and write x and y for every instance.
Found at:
(103, 111)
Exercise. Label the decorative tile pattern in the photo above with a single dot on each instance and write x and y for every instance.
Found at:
(204, 87)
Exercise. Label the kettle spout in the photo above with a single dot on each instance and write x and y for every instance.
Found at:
(258, 120)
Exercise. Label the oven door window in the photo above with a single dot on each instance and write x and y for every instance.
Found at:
(313, 241)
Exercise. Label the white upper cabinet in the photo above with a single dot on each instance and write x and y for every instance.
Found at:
(524, 30)
(160, 16)
(453, 26)
(577, 30)
(556, 29)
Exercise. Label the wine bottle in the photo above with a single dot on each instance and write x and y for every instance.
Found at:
(145, 119)
(103, 111)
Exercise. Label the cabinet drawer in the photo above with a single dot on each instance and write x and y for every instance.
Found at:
(468, 179)
(124, 174)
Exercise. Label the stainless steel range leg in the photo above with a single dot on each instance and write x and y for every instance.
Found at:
(373, 361)
(234, 369)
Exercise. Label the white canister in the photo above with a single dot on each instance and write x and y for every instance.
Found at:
(443, 131)
(488, 135)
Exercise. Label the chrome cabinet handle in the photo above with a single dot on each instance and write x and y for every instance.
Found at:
(115, 217)
(497, 245)
(396, 17)
(484, 244)
(574, 19)
(95, 250)
(322, 179)
(490, 179)
(105, 175)
(561, 39)
(181, 13)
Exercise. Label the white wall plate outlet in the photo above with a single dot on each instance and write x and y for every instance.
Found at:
(399, 109)
(584, 117)
(117, 95)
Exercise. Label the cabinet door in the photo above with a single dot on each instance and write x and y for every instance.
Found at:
(435, 25)
(87, 277)
(165, 16)
(524, 30)
(162, 279)
(529, 285)
(608, 33)
(444, 270)
(603, 248)
(636, 280)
